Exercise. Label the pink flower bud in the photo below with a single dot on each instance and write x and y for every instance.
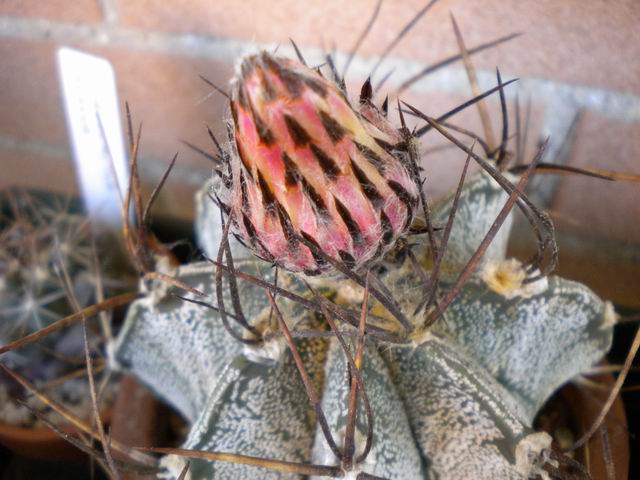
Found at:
(308, 165)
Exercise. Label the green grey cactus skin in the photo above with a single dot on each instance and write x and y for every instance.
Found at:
(178, 348)
(207, 223)
(394, 453)
(465, 424)
(530, 345)
(459, 405)
(480, 202)
(238, 398)
(259, 409)
(533, 340)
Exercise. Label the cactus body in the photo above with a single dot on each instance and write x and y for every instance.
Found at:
(459, 405)
(465, 423)
(479, 205)
(309, 173)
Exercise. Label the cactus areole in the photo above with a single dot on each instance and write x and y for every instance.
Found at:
(310, 175)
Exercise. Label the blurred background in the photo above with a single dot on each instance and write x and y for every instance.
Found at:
(578, 65)
(573, 58)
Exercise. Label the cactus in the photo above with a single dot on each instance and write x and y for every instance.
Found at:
(46, 263)
(37, 236)
(454, 401)
(380, 346)
(391, 340)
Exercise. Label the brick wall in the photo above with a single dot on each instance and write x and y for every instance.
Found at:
(573, 56)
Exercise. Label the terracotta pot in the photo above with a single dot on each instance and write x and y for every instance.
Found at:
(42, 443)
(139, 419)
(606, 455)
(572, 411)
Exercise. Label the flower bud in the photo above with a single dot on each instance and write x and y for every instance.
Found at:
(312, 174)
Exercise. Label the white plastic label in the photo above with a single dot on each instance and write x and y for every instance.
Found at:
(93, 121)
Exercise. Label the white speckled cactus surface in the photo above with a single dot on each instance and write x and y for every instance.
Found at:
(454, 401)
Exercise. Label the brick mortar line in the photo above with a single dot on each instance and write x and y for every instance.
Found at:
(150, 169)
(613, 104)
(109, 11)
(191, 175)
(39, 148)
(560, 100)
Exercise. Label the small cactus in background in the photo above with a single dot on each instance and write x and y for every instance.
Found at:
(38, 241)
(47, 262)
